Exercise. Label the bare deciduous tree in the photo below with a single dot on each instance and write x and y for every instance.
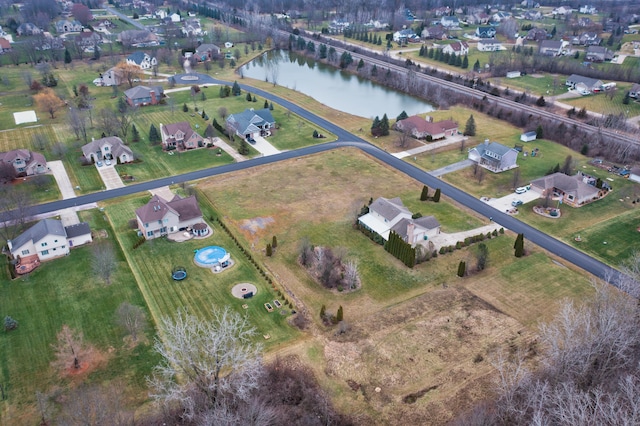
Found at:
(14, 204)
(78, 124)
(69, 348)
(131, 318)
(95, 405)
(223, 112)
(103, 261)
(207, 365)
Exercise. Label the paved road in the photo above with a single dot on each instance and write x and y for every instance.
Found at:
(125, 18)
(346, 139)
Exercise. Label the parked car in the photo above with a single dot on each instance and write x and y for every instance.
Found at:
(99, 164)
(107, 162)
(516, 203)
(523, 189)
(251, 141)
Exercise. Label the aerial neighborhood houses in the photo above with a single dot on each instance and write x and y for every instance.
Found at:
(27, 29)
(598, 54)
(406, 36)
(159, 217)
(552, 47)
(88, 39)
(111, 77)
(180, 136)
(251, 123)
(138, 38)
(494, 156)
(420, 128)
(142, 60)
(450, 22)
(24, 162)
(386, 215)
(109, 148)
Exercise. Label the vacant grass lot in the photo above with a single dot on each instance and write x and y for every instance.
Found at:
(601, 103)
(64, 291)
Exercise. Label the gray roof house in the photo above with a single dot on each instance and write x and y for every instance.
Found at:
(28, 28)
(142, 60)
(251, 123)
(494, 156)
(450, 21)
(207, 51)
(390, 214)
(160, 217)
(634, 92)
(179, 136)
(551, 47)
(68, 26)
(49, 239)
(571, 189)
(598, 54)
(580, 82)
(486, 32)
(26, 163)
(110, 147)
(143, 95)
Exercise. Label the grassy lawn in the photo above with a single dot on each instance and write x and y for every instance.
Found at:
(60, 292)
(152, 262)
(601, 103)
(538, 85)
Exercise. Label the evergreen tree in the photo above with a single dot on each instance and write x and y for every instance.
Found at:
(436, 196)
(476, 66)
(539, 132)
(421, 53)
(269, 250)
(10, 323)
(135, 135)
(235, 90)
(360, 64)
(424, 196)
(154, 136)
(271, 106)
(384, 125)
(403, 115)
(67, 56)
(203, 115)
(626, 98)
(274, 242)
(519, 245)
(185, 108)
(340, 314)
(266, 104)
(374, 70)
(375, 127)
(541, 101)
(465, 62)
(461, 268)
(323, 311)
(203, 97)
(470, 127)
(122, 105)
(248, 97)
(243, 149)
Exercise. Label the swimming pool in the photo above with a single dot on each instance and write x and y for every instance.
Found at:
(211, 256)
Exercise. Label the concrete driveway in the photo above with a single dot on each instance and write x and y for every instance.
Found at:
(504, 203)
(110, 176)
(67, 216)
(264, 147)
(452, 168)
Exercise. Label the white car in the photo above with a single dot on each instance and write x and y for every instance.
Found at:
(107, 162)
(523, 189)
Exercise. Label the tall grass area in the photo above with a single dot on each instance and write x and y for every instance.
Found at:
(64, 291)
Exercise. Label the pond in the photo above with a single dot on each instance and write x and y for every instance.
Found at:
(332, 87)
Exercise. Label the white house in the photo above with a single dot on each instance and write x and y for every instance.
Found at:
(386, 215)
(634, 174)
(175, 17)
(49, 239)
(494, 156)
(142, 60)
(589, 10)
(456, 48)
(489, 45)
(450, 22)
(25, 162)
(111, 148)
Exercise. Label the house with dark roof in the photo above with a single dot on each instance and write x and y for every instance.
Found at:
(494, 156)
(536, 34)
(25, 162)
(138, 38)
(109, 148)
(159, 217)
(28, 28)
(251, 123)
(180, 136)
(404, 36)
(572, 190)
(88, 39)
(584, 84)
(634, 92)
(435, 32)
(598, 54)
(49, 239)
(489, 45)
(485, 32)
(68, 26)
(421, 128)
(551, 47)
(143, 95)
(142, 60)
(450, 22)
(207, 52)
(386, 215)
(457, 48)
(589, 38)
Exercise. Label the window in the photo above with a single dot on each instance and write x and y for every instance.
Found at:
(106, 148)
(44, 244)
(55, 241)
(25, 252)
(45, 252)
(149, 233)
(146, 225)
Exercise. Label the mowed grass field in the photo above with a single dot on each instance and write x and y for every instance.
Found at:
(59, 292)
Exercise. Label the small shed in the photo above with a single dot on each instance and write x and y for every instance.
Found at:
(528, 137)
(513, 74)
(634, 174)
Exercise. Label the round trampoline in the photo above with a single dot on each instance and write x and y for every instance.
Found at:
(179, 273)
(212, 256)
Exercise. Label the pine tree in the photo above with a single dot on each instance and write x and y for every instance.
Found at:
(323, 311)
(340, 314)
(403, 115)
(461, 268)
(254, 99)
(421, 53)
(269, 250)
(235, 90)
(274, 242)
(436, 196)
(271, 106)
(67, 56)
(465, 62)
(384, 125)
(470, 127)
(539, 132)
(135, 135)
(266, 104)
(375, 126)
(424, 196)
(519, 245)
(243, 149)
(248, 97)
(185, 108)
(476, 66)
(154, 136)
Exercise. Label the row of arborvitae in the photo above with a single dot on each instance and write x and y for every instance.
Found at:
(471, 240)
(424, 196)
(400, 249)
(140, 241)
(328, 318)
(518, 246)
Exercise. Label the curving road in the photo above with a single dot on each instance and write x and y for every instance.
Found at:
(346, 139)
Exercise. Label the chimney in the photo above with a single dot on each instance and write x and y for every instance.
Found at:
(92, 139)
(486, 141)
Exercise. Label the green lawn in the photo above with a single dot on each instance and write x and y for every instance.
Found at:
(63, 291)
(602, 103)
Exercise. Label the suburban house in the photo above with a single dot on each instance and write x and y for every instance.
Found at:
(5, 45)
(421, 128)
(160, 217)
(143, 95)
(489, 45)
(500, 16)
(494, 156)
(598, 54)
(251, 123)
(48, 239)
(386, 215)
(175, 17)
(584, 84)
(529, 136)
(634, 174)
(104, 24)
(585, 22)
(337, 26)
(111, 77)
(207, 51)
(111, 148)
(634, 92)
(68, 26)
(436, 33)
(142, 60)
(589, 38)
(572, 190)
(192, 27)
(450, 22)
(532, 15)
(562, 10)
(405, 36)
(485, 32)
(457, 48)
(138, 38)
(28, 28)
(589, 10)
(179, 136)
(536, 34)
(88, 39)
(551, 47)
(25, 162)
